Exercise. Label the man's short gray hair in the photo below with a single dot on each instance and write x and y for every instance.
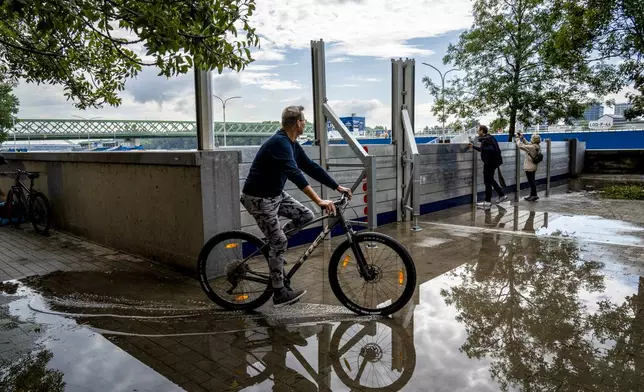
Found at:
(291, 115)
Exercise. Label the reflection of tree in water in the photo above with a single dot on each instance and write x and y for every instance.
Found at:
(30, 374)
(622, 366)
(526, 314)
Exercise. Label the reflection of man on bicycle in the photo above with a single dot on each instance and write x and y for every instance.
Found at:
(281, 158)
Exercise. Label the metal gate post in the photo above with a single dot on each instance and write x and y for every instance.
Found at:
(203, 103)
(397, 137)
(548, 168)
(475, 179)
(518, 173)
(319, 99)
(372, 213)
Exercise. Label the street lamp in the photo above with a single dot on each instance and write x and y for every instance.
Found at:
(223, 104)
(442, 88)
(86, 119)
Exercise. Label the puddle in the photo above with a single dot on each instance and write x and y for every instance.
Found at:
(595, 228)
(523, 313)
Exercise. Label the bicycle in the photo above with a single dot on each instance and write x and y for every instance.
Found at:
(249, 266)
(23, 201)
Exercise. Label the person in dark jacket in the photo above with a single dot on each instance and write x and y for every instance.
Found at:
(281, 158)
(492, 160)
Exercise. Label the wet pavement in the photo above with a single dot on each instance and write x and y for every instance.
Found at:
(545, 296)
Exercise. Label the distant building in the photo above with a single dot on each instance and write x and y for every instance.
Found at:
(620, 108)
(594, 112)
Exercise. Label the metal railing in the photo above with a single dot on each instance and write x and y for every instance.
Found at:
(323, 111)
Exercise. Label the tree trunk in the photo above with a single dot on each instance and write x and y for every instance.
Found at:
(513, 122)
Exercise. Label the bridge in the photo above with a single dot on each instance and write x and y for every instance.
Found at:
(42, 129)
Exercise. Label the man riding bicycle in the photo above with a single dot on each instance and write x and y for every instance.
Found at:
(280, 158)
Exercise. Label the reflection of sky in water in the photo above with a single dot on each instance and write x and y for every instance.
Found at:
(595, 228)
(439, 336)
(89, 361)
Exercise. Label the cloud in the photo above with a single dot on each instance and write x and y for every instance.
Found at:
(364, 79)
(344, 85)
(268, 54)
(268, 81)
(226, 83)
(149, 87)
(341, 60)
(375, 111)
(359, 28)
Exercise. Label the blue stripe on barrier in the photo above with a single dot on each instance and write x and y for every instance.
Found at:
(308, 236)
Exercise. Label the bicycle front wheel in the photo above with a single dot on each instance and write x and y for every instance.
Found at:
(233, 270)
(39, 213)
(392, 268)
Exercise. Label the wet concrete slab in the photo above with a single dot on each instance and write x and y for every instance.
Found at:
(555, 302)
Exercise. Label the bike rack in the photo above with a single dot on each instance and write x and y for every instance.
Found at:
(403, 136)
(322, 112)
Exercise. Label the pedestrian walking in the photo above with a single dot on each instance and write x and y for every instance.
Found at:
(492, 161)
(533, 157)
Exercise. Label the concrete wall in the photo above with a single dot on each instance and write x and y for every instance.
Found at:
(614, 162)
(159, 205)
(165, 205)
(446, 172)
(446, 177)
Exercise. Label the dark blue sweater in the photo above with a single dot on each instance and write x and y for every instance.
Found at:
(490, 151)
(279, 159)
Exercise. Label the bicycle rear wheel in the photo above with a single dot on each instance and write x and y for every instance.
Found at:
(16, 209)
(39, 213)
(394, 275)
(226, 264)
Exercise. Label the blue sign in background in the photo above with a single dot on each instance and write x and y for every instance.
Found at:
(354, 123)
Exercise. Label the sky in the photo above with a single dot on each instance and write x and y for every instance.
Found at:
(361, 36)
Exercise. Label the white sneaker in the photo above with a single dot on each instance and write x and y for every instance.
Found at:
(484, 205)
(502, 199)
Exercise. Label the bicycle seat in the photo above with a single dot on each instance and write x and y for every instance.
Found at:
(33, 175)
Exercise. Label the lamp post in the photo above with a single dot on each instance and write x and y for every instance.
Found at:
(86, 119)
(442, 88)
(223, 104)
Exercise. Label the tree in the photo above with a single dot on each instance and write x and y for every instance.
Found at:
(499, 123)
(505, 58)
(522, 307)
(91, 47)
(605, 29)
(8, 109)
(30, 373)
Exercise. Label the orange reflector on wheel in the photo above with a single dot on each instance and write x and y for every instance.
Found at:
(231, 246)
(401, 277)
(347, 363)
(346, 261)
(242, 297)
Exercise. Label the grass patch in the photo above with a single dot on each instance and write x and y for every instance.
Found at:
(624, 192)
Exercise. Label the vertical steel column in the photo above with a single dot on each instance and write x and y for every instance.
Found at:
(548, 168)
(324, 359)
(413, 179)
(518, 173)
(203, 103)
(372, 213)
(515, 221)
(319, 99)
(397, 135)
(475, 179)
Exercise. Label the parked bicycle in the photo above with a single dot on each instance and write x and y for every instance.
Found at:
(26, 203)
(369, 273)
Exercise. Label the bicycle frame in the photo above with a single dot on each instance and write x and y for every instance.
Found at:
(339, 220)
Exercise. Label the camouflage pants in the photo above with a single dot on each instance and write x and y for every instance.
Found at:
(266, 212)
